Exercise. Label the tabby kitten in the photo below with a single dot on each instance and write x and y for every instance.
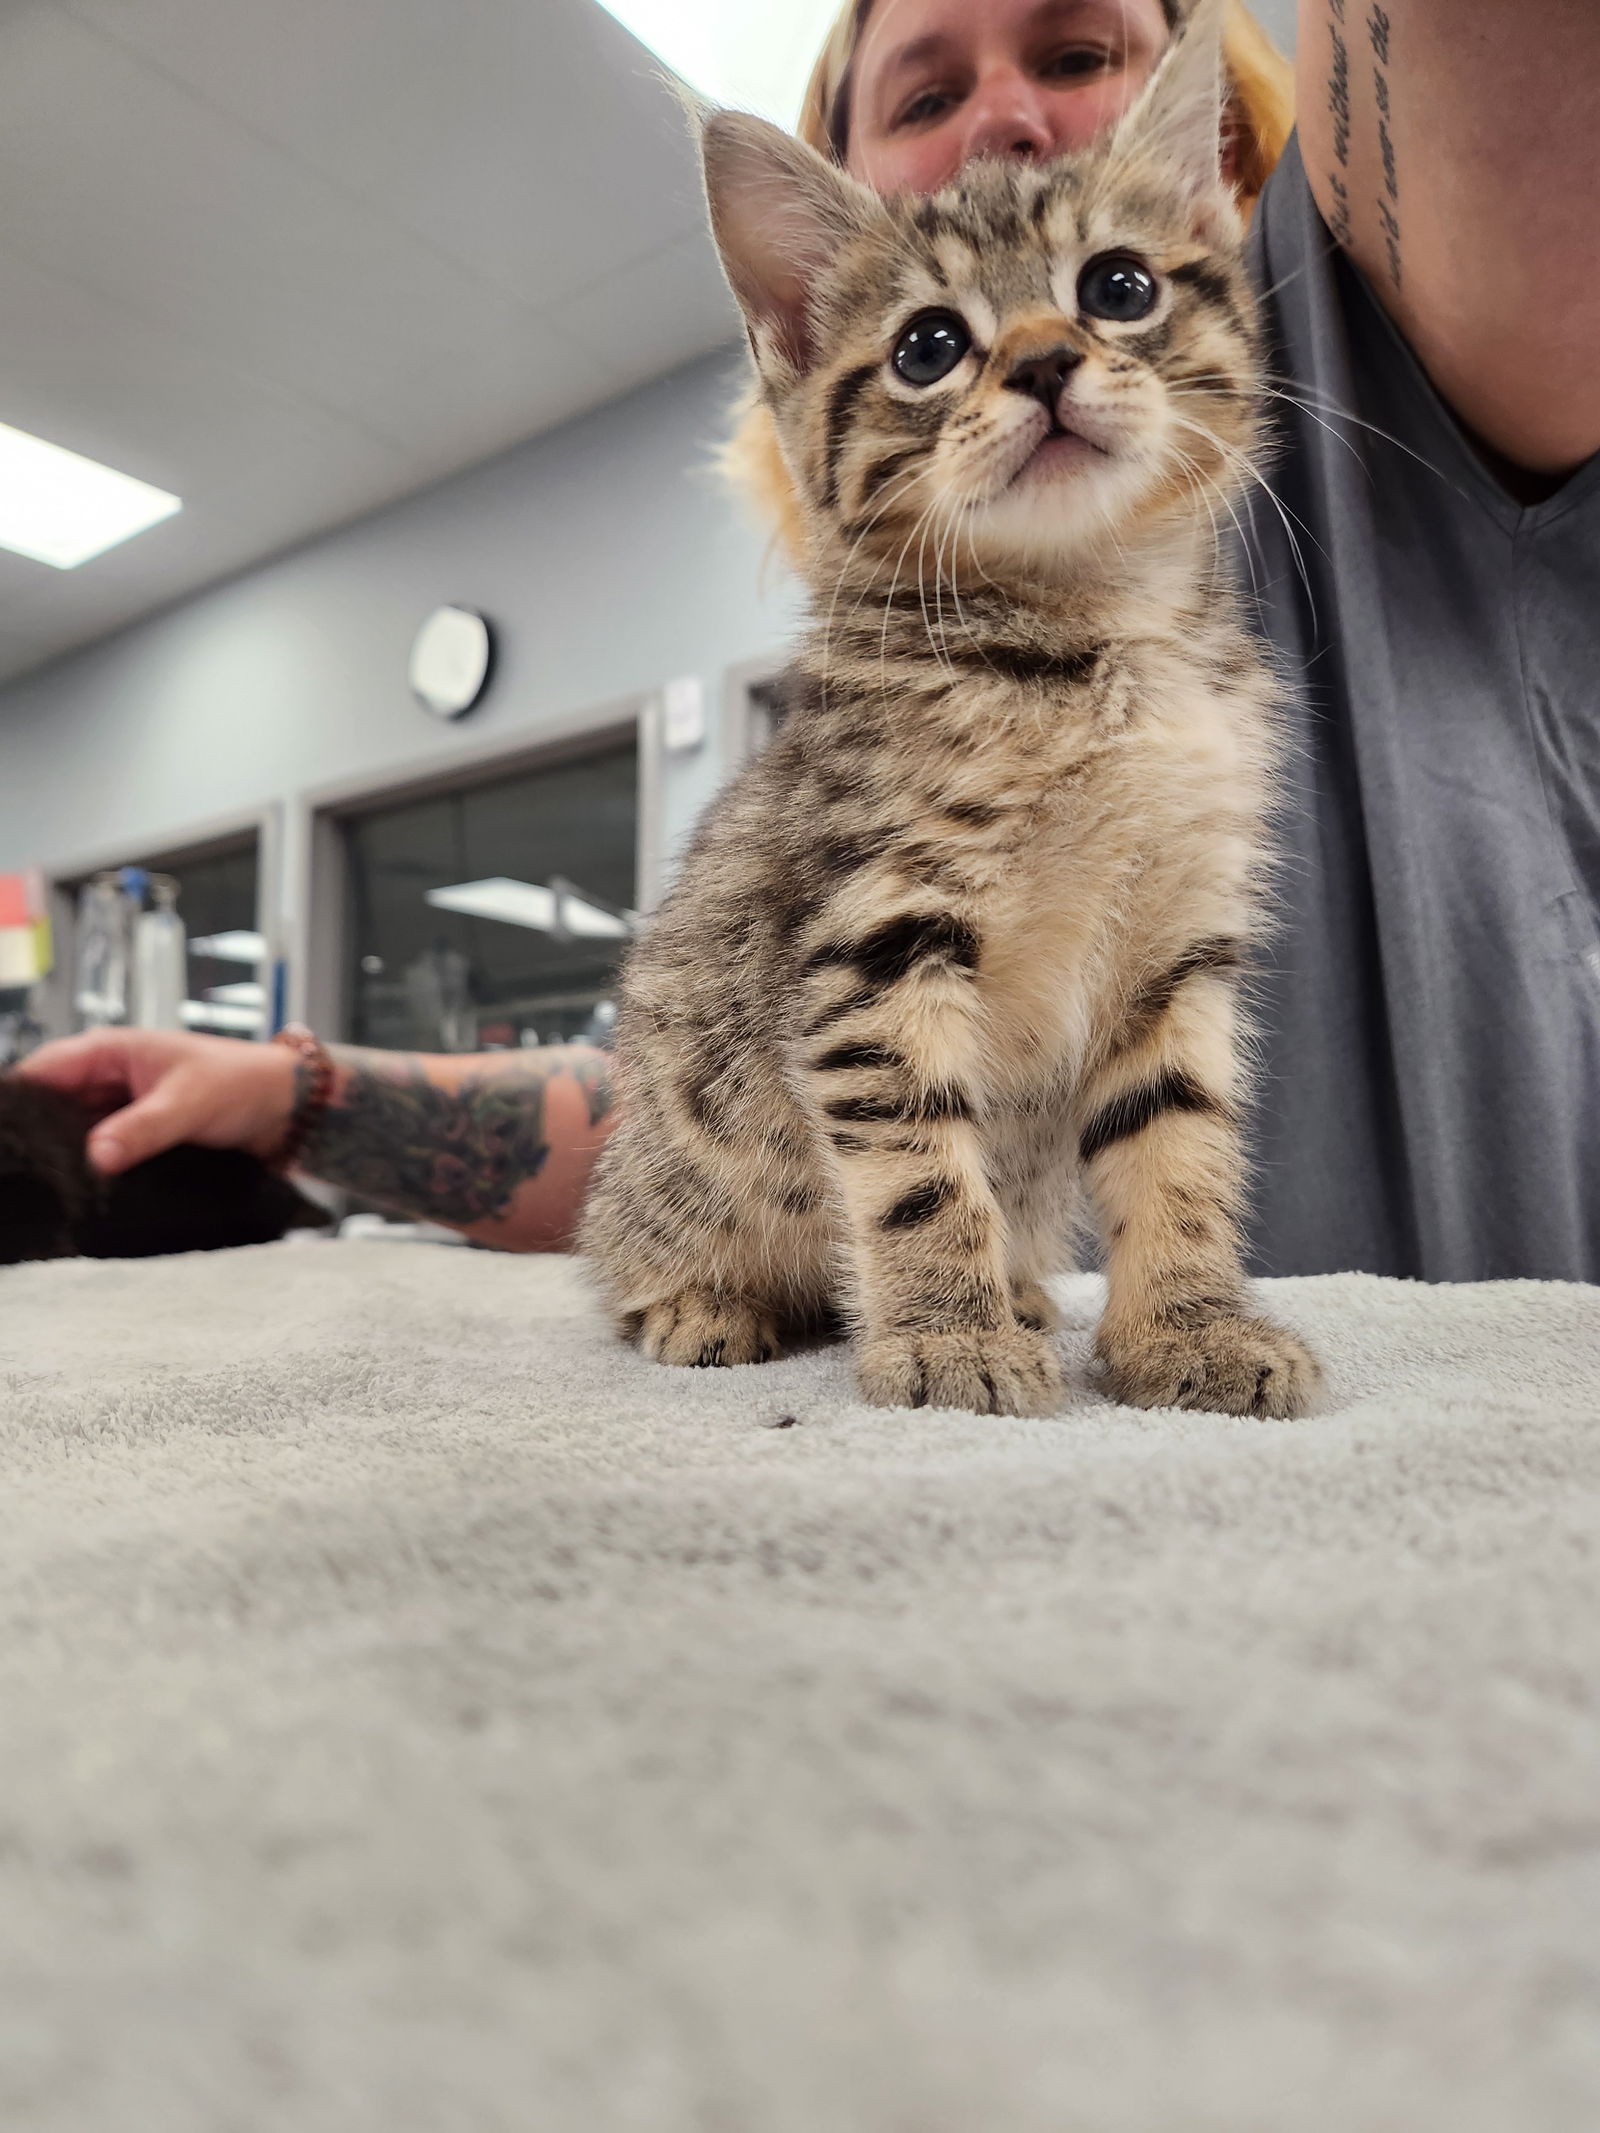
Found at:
(967, 937)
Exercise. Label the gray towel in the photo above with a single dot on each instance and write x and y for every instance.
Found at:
(418, 1713)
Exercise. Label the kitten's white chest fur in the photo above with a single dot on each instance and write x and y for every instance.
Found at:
(1149, 840)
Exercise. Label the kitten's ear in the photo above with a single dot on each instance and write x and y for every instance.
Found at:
(779, 213)
(1180, 115)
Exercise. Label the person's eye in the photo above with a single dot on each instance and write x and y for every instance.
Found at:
(1117, 287)
(931, 347)
(925, 107)
(1075, 61)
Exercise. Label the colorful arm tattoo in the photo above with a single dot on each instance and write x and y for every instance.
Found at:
(445, 1154)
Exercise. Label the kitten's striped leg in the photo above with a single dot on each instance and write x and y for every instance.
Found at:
(890, 1061)
(1033, 1162)
(1160, 1143)
(706, 1226)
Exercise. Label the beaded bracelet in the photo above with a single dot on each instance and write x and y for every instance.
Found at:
(313, 1090)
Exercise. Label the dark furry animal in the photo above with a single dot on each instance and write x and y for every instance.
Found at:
(55, 1205)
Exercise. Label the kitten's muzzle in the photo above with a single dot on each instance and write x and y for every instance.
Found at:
(1044, 377)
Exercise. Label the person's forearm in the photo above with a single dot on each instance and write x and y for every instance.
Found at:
(499, 1146)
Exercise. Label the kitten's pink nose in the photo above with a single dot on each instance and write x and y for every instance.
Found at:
(1044, 376)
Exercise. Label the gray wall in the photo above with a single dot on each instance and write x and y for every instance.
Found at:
(607, 553)
(1277, 17)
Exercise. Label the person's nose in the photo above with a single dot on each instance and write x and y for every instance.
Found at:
(1008, 115)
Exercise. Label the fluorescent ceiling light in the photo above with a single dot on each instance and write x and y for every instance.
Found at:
(586, 920)
(234, 947)
(242, 995)
(214, 1014)
(513, 903)
(60, 508)
(528, 903)
(758, 57)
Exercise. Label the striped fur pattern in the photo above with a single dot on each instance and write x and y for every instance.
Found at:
(956, 962)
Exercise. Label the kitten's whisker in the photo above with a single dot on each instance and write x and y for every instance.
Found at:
(939, 651)
(1266, 392)
(1278, 388)
(1332, 407)
(888, 610)
(1324, 252)
(888, 605)
(968, 512)
(948, 540)
(936, 529)
(1203, 483)
(908, 481)
(1236, 458)
(962, 529)
(926, 522)
(871, 581)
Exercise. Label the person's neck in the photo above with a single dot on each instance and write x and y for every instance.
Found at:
(1524, 485)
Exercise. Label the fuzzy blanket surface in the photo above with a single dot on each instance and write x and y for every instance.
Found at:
(418, 1715)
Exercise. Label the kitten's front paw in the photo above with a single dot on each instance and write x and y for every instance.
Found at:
(705, 1332)
(1012, 1371)
(1230, 1365)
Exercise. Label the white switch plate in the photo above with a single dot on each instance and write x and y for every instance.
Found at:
(683, 713)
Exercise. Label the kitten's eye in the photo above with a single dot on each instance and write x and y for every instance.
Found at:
(931, 347)
(1117, 288)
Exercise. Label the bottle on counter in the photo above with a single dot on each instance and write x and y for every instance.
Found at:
(102, 964)
(161, 960)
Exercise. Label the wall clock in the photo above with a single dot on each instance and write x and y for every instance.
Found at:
(450, 661)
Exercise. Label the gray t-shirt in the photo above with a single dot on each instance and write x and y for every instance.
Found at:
(1431, 1096)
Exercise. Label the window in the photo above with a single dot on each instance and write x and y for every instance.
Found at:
(756, 705)
(495, 915)
(218, 904)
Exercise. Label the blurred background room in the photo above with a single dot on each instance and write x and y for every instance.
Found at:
(373, 622)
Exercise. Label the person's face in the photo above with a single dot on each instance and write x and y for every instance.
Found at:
(937, 82)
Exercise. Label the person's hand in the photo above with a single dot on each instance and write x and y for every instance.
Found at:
(153, 1088)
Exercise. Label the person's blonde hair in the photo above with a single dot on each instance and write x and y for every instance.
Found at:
(1260, 120)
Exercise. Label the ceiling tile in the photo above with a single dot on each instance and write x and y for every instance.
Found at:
(536, 143)
(521, 380)
(659, 314)
(263, 262)
(86, 372)
(292, 261)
